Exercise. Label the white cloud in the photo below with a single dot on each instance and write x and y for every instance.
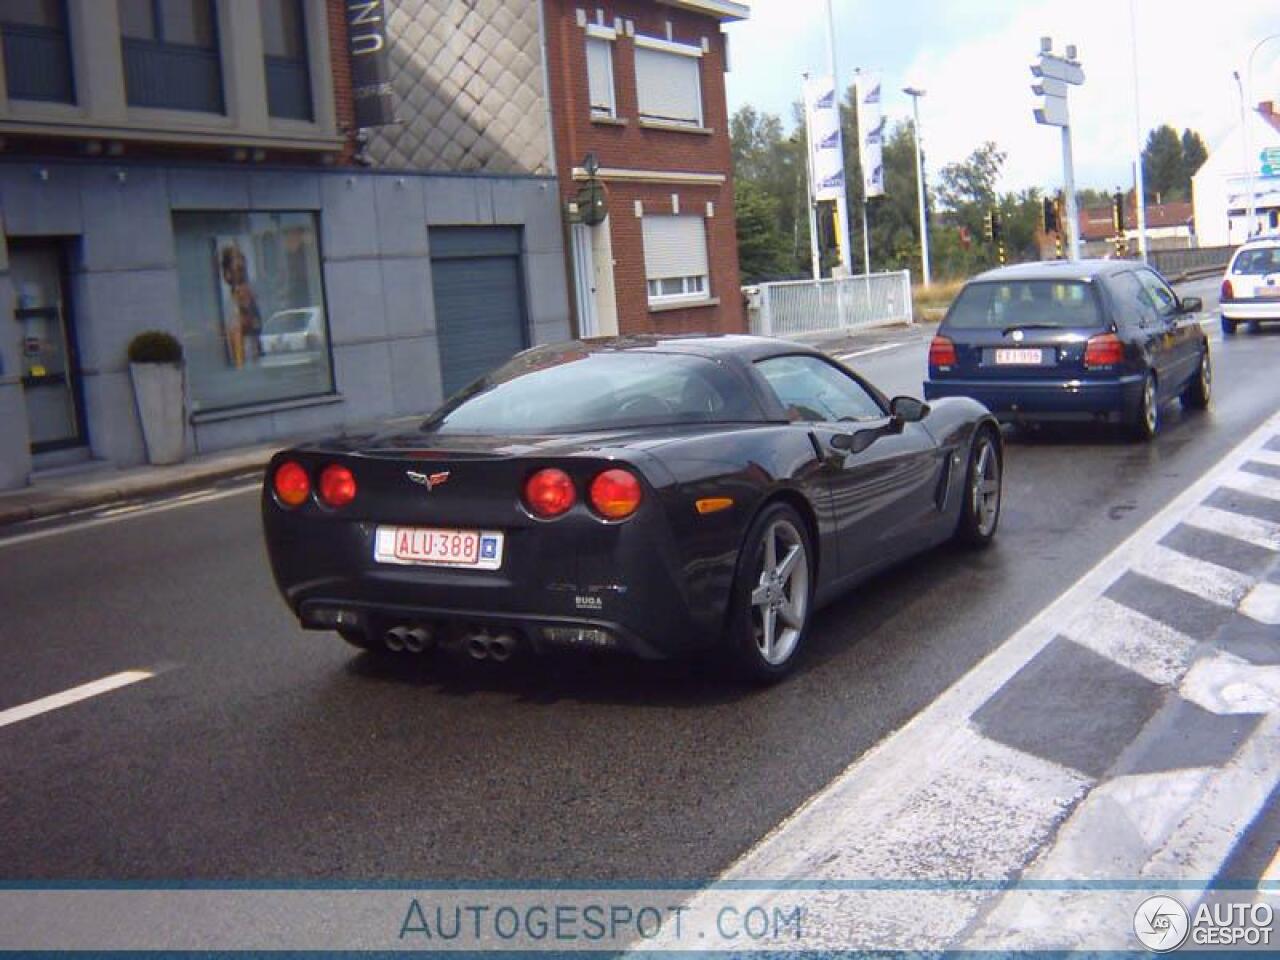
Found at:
(979, 86)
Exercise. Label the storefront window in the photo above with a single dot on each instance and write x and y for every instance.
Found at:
(253, 315)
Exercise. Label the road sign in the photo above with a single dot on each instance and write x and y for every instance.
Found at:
(1049, 87)
(1053, 113)
(1270, 155)
(1055, 68)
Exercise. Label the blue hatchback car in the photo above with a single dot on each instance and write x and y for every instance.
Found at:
(1092, 340)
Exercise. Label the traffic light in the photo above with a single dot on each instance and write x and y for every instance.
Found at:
(988, 226)
(996, 233)
(1117, 212)
(1050, 215)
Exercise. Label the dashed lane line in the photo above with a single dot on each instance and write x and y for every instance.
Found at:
(75, 695)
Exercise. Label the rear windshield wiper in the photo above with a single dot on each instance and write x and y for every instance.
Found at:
(1030, 326)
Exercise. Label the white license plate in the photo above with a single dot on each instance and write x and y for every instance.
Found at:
(1272, 291)
(1010, 355)
(438, 547)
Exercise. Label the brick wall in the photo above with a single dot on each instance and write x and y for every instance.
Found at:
(630, 146)
(341, 64)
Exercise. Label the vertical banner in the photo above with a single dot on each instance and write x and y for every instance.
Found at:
(826, 151)
(870, 134)
(370, 66)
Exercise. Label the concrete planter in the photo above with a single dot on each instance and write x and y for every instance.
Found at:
(157, 388)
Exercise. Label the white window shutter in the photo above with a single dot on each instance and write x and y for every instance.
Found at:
(674, 247)
(600, 74)
(669, 86)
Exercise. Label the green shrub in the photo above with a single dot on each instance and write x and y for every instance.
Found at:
(155, 346)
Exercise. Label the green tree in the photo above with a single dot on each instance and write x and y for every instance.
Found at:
(1162, 169)
(763, 252)
(773, 165)
(1194, 154)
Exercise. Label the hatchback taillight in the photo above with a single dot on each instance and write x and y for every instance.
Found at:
(1227, 293)
(1104, 350)
(615, 494)
(291, 484)
(337, 486)
(549, 493)
(942, 352)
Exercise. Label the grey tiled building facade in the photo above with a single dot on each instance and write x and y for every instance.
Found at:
(310, 292)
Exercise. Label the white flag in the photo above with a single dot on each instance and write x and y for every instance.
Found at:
(826, 151)
(870, 134)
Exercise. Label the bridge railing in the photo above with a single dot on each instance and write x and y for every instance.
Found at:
(795, 308)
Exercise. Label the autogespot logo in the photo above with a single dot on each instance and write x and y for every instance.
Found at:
(1161, 924)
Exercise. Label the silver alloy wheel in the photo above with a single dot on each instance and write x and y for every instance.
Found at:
(1149, 409)
(1206, 376)
(985, 490)
(780, 599)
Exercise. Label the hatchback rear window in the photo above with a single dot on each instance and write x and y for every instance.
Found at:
(994, 304)
(1257, 262)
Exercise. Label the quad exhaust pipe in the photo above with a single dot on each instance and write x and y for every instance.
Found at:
(497, 647)
(407, 639)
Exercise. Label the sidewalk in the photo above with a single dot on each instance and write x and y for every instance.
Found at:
(82, 489)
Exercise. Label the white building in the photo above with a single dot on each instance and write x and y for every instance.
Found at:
(1220, 190)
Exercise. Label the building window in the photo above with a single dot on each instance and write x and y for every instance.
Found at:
(37, 55)
(253, 314)
(171, 58)
(600, 74)
(284, 42)
(669, 81)
(675, 259)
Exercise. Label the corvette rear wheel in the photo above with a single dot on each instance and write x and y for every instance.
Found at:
(980, 514)
(772, 595)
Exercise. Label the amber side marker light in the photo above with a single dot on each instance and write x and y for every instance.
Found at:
(713, 504)
(291, 484)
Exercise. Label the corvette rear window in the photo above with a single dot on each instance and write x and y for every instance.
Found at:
(567, 389)
(1013, 303)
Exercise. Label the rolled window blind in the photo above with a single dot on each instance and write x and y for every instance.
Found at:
(668, 85)
(674, 247)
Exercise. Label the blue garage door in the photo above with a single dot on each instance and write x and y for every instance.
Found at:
(479, 294)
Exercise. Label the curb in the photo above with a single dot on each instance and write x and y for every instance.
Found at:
(55, 504)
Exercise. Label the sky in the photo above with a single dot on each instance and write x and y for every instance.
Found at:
(972, 57)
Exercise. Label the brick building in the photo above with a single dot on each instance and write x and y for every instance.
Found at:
(192, 166)
(637, 89)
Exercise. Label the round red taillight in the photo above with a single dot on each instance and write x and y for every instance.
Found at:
(337, 485)
(291, 483)
(615, 494)
(549, 493)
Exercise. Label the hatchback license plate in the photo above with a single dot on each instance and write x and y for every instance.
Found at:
(438, 547)
(1023, 357)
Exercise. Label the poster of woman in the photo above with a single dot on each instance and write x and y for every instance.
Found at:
(241, 317)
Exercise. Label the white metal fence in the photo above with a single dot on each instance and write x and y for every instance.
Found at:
(798, 307)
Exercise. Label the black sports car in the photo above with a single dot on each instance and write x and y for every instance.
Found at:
(657, 495)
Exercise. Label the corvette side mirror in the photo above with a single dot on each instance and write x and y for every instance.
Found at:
(857, 441)
(908, 409)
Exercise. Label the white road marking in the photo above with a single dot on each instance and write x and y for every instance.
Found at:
(1260, 533)
(1267, 456)
(1210, 581)
(1253, 483)
(83, 692)
(870, 350)
(1131, 639)
(1225, 684)
(145, 510)
(1263, 604)
(906, 778)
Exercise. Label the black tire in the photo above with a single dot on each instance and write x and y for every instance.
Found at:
(980, 506)
(1146, 419)
(1199, 392)
(1228, 327)
(744, 634)
(1255, 326)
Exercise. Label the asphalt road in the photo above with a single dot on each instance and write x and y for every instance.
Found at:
(259, 751)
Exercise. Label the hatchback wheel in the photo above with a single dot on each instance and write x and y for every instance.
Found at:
(980, 514)
(771, 595)
(1146, 422)
(1200, 390)
(1228, 327)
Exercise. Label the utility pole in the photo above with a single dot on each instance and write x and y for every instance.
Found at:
(1055, 74)
(813, 203)
(915, 94)
(1138, 185)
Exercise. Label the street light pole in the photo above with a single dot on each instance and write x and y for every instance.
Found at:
(1139, 186)
(1248, 91)
(915, 94)
(1244, 152)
